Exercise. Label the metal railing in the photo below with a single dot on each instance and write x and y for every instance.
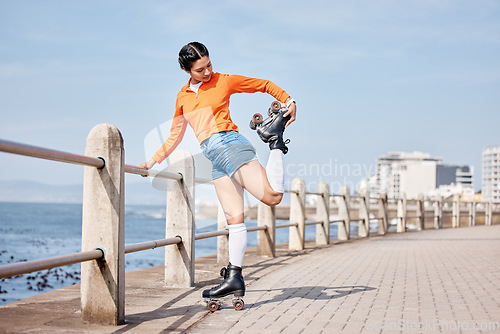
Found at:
(20, 268)
(180, 219)
(48, 154)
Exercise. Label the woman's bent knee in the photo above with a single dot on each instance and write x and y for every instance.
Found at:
(273, 199)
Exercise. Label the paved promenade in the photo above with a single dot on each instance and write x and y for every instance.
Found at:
(431, 281)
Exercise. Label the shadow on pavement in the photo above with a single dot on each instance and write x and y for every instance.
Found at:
(310, 292)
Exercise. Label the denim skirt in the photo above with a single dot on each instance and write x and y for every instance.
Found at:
(228, 151)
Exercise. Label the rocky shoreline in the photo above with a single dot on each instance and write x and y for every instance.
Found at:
(35, 282)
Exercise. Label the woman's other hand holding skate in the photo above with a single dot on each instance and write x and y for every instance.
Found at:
(292, 110)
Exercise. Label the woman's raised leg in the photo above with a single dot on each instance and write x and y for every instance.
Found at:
(253, 177)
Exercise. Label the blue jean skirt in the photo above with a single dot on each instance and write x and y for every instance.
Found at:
(228, 151)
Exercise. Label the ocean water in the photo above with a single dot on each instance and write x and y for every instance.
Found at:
(30, 231)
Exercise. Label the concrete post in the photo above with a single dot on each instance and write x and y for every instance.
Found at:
(266, 239)
(401, 227)
(297, 214)
(364, 213)
(382, 213)
(455, 218)
(103, 226)
(179, 259)
(420, 213)
(343, 204)
(323, 215)
(488, 210)
(472, 212)
(222, 240)
(438, 213)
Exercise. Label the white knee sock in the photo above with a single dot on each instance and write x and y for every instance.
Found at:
(275, 170)
(237, 243)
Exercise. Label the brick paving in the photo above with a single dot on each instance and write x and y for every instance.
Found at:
(432, 281)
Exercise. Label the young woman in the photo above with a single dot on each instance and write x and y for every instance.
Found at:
(203, 103)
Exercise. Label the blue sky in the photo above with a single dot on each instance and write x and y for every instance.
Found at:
(369, 76)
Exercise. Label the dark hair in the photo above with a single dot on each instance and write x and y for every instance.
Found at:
(190, 53)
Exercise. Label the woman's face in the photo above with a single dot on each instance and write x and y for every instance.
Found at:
(201, 70)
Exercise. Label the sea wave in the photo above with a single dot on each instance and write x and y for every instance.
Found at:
(155, 214)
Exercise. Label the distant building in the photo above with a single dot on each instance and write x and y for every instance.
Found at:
(491, 174)
(418, 173)
(447, 174)
(410, 173)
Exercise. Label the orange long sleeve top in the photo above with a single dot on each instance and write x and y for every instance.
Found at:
(208, 111)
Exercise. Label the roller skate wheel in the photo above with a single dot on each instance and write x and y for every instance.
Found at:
(213, 306)
(257, 119)
(238, 305)
(275, 106)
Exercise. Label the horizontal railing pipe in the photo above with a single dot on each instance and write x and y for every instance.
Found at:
(165, 175)
(47, 154)
(256, 228)
(151, 172)
(211, 234)
(151, 244)
(287, 225)
(203, 181)
(20, 268)
(313, 223)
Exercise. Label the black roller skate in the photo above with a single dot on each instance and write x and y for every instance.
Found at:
(271, 129)
(233, 284)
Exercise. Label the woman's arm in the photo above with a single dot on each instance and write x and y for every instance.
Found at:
(177, 130)
(179, 125)
(242, 84)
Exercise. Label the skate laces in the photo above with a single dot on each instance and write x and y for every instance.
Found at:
(224, 272)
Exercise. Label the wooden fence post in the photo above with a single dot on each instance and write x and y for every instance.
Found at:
(323, 215)
(103, 227)
(343, 204)
(266, 239)
(382, 213)
(179, 259)
(420, 213)
(401, 226)
(364, 213)
(297, 214)
(222, 240)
